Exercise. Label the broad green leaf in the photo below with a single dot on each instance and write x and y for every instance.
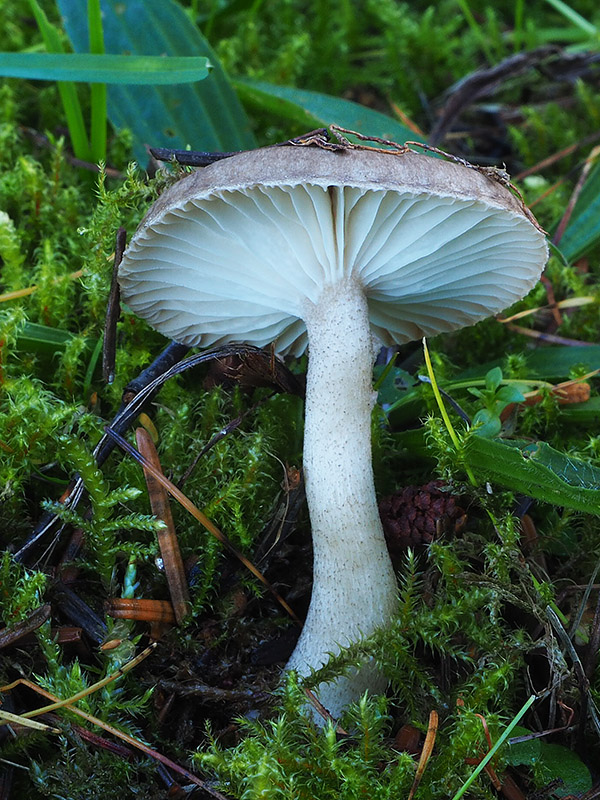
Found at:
(314, 110)
(34, 338)
(407, 408)
(521, 752)
(205, 116)
(395, 381)
(559, 762)
(90, 68)
(509, 394)
(536, 470)
(563, 34)
(583, 231)
(582, 413)
(487, 423)
(545, 363)
(412, 445)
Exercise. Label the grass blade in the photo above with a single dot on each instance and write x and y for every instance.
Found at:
(98, 90)
(505, 734)
(574, 17)
(67, 90)
(89, 68)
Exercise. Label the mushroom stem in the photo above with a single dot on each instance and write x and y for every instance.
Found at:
(354, 588)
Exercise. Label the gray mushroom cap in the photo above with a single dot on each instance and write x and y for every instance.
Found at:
(235, 251)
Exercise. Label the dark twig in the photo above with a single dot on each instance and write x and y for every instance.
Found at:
(590, 663)
(566, 151)
(201, 158)
(41, 140)
(77, 611)
(550, 338)
(189, 158)
(36, 618)
(172, 354)
(483, 81)
(593, 648)
(588, 705)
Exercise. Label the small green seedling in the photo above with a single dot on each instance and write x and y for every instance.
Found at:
(495, 398)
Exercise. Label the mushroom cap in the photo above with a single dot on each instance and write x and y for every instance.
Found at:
(234, 252)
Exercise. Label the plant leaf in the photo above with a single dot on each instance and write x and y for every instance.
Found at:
(68, 90)
(314, 110)
(537, 470)
(98, 90)
(34, 338)
(574, 17)
(488, 424)
(91, 68)
(509, 394)
(522, 752)
(206, 116)
(583, 231)
(493, 379)
(560, 762)
(582, 413)
(545, 363)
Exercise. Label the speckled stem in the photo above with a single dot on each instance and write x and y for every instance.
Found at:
(354, 588)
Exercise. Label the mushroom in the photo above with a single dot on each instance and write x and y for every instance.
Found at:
(332, 250)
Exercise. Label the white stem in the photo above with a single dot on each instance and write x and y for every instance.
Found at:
(354, 589)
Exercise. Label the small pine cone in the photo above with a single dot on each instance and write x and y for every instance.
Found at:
(414, 515)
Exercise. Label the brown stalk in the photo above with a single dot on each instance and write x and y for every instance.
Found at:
(167, 537)
(104, 744)
(406, 120)
(510, 789)
(13, 633)
(20, 724)
(67, 634)
(570, 302)
(553, 305)
(84, 692)
(141, 610)
(552, 338)
(425, 752)
(320, 708)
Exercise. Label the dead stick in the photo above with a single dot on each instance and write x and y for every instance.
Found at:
(167, 538)
(140, 609)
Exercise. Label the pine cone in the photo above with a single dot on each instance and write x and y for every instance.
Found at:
(416, 514)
